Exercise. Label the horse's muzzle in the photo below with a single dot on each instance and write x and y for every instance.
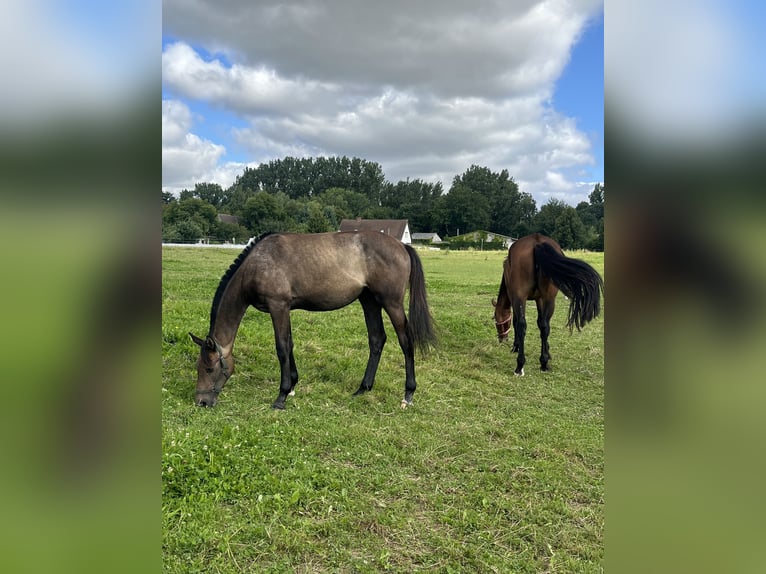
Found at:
(207, 400)
(503, 328)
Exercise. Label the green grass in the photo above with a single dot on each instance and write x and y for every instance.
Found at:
(486, 473)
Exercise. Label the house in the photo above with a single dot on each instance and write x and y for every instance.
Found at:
(398, 228)
(426, 238)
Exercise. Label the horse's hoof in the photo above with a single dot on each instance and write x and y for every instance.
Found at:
(278, 406)
(406, 403)
(519, 374)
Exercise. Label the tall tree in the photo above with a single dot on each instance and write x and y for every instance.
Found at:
(545, 220)
(465, 210)
(265, 212)
(413, 200)
(209, 192)
(597, 201)
(569, 231)
(510, 209)
(346, 204)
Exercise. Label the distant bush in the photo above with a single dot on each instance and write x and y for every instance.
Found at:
(462, 245)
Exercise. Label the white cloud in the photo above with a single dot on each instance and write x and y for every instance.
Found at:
(187, 159)
(57, 61)
(243, 89)
(684, 86)
(425, 89)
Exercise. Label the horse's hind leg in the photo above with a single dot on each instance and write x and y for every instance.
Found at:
(544, 313)
(519, 333)
(376, 336)
(399, 321)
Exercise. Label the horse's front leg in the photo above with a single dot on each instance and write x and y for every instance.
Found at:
(283, 338)
(519, 333)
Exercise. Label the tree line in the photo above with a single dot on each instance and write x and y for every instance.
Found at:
(312, 195)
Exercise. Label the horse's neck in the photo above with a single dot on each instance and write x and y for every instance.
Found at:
(503, 301)
(231, 310)
(503, 306)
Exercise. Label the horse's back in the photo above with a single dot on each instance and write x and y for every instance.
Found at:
(323, 271)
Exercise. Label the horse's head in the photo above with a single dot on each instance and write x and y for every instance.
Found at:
(213, 370)
(502, 321)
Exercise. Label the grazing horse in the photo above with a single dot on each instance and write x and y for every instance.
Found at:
(316, 272)
(536, 268)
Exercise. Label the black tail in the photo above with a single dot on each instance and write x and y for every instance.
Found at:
(420, 328)
(576, 279)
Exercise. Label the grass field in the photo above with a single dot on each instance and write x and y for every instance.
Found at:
(486, 473)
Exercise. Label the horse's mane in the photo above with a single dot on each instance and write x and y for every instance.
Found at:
(228, 275)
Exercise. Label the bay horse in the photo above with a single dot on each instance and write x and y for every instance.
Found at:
(276, 273)
(536, 268)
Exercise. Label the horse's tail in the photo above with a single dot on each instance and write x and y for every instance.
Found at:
(420, 327)
(576, 279)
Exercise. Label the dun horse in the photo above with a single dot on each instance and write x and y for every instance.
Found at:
(316, 272)
(536, 269)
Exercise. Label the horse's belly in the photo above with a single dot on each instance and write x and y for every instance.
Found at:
(326, 300)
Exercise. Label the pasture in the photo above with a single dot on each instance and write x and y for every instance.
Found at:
(487, 472)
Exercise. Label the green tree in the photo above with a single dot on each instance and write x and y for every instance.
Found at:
(185, 231)
(234, 232)
(597, 243)
(234, 199)
(413, 200)
(596, 196)
(190, 215)
(346, 204)
(465, 210)
(545, 220)
(569, 232)
(209, 192)
(317, 221)
(510, 209)
(585, 212)
(597, 201)
(264, 212)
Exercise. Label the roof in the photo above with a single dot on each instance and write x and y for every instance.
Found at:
(393, 227)
(434, 237)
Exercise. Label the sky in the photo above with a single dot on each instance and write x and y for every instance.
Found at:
(425, 89)
(686, 74)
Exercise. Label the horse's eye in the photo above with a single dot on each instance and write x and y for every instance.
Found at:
(209, 370)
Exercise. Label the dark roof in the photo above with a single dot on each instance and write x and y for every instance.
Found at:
(392, 227)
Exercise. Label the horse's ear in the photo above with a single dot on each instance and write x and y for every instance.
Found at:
(210, 343)
(494, 302)
(196, 339)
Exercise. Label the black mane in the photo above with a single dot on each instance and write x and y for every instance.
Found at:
(228, 275)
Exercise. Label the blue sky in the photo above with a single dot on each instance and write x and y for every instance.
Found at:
(580, 90)
(426, 96)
